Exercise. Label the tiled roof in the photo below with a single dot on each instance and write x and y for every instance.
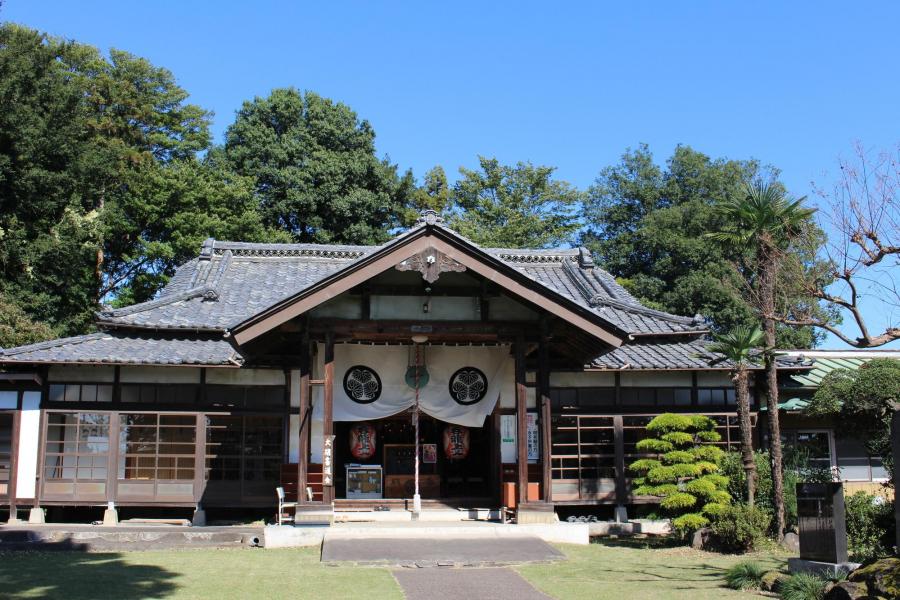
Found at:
(662, 355)
(230, 282)
(118, 347)
(667, 354)
(826, 361)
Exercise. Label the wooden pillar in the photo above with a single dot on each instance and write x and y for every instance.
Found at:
(14, 458)
(305, 415)
(543, 394)
(619, 443)
(328, 405)
(521, 423)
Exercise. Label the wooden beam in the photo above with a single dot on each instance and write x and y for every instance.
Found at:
(328, 408)
(619, 443)
(14, 458)
(521, 423)
(543, 394)
(305, 415)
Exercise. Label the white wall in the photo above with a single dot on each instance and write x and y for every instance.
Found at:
(78, 373)
(583, 379)
(656, 379)
(245, 376)
(160, 375)
(29, 433)
(714, 379)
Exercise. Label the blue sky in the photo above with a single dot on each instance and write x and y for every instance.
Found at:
(793, 84)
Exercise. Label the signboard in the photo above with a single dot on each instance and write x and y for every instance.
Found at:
(532, 437)
(823, 531)
(508, 438)
(508, 448)
(328, 461)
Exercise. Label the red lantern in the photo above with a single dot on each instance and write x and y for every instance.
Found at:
(362, 441)
(456, 442)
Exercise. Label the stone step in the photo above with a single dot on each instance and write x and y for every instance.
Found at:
(126, 538)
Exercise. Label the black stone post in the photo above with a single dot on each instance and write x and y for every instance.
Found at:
(823, 530)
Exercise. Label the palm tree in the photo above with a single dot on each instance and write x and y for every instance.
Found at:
(766, 220)
(737, 346)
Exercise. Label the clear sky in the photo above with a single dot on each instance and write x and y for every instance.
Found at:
(572, 85)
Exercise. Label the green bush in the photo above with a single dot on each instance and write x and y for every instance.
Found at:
(739, 528)
(803, 586)
(796, 469)
(745, 576)
(870, 526)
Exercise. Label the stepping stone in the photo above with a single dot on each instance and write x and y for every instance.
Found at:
(453, 584)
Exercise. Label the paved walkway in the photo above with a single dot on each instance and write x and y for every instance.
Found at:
(439, 552)
(454, 584)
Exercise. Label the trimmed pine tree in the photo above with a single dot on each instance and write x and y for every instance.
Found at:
(683, 469)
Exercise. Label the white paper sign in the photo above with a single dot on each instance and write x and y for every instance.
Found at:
(508, 438)
(533, 438)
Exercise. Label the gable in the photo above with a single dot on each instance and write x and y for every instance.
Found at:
(430, 250)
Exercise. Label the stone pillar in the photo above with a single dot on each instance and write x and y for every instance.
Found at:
(36, 516)
(199, 517)
(110, 515)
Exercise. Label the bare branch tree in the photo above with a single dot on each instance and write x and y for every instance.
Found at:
(862, 215)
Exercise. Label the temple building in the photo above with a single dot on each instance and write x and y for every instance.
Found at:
(504, 377)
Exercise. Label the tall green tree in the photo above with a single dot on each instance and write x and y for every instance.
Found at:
(518, 206)
(433, 194)
(646, 224)
(101, 192)
(737, 346)
(767, 221)
(315, 172)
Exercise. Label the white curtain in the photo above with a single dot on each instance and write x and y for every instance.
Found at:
(391, 362)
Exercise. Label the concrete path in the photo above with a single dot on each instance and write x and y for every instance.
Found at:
(453, 584)
(443, 552)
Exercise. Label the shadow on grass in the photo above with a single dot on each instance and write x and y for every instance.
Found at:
(65, 570)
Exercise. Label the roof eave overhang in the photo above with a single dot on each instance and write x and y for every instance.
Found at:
(418, 240)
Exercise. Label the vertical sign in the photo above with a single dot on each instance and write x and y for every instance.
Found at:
(328, 461)
(532, 437)
(508, 439)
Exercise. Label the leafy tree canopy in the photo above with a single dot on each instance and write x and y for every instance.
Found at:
(519, 206)
(647, 225)
(863, 401)
(314, 168)
(101, 193)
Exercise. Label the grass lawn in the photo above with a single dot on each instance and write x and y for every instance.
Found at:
(597, 571)
(623, 571)
(214, 574)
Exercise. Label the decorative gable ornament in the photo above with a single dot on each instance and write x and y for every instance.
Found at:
(362, 384)
(430, 263)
